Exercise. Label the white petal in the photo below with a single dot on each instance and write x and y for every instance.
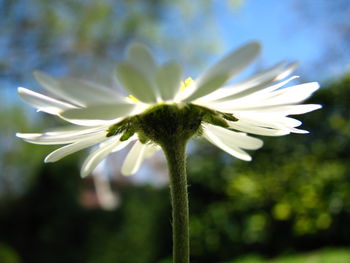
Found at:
(234, 151)
(229, 66)
(246, 99)
(278, 72)
(295, 130)
(280, 97)
(87, 93)
(141, 58)
(76, 91)
(134, 81)
(151, 150)
(287, 71)
(258, 81)
(231, 141)
(168, 80)
(42, 102)
(134, 158)
(74, 147)
(291, 109)
(61, 138)
(89, 123)
(254, 129)
(275, 73)
(290, 95)
(270, 121)
(99, 112)
(235, 138)
(63, 130)
(98, 155)
(288, 122)
(49, 83)
(27, 135)
(123, 144)
(255, 91)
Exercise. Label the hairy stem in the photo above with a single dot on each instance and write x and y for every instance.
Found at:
(175, 153)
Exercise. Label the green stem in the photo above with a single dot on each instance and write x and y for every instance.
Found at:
(175, 153)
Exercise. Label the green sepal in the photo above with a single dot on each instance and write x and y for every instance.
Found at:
(215, 120)
(142, 138)
(127, 134)
(120, 127)
(111, 131)
(199, 132)
(229, 117)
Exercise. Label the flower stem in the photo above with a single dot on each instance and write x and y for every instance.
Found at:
(175, 153)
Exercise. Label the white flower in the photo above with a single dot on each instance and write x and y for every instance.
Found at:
(258, 105)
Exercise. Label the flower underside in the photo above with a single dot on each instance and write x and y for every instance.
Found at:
(166, 122)
(163, 122)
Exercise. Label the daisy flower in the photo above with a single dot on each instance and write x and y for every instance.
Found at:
(157, 97)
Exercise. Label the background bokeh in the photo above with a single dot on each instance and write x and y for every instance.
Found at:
(290, 204)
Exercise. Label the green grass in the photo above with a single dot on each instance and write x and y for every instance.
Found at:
(321, 256)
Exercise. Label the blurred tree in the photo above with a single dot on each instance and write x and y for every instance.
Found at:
(71, 37)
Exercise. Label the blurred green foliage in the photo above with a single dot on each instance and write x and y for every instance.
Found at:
(16, 177)
(8, 255)
(321, 256)
(48, 224)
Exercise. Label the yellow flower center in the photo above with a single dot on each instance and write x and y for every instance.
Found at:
(133, 98)
(185, 84)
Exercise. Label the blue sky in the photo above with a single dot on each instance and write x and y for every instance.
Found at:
(285, 31)
(272, 23)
